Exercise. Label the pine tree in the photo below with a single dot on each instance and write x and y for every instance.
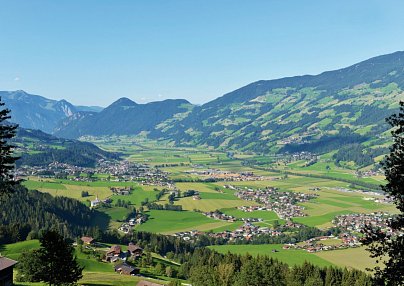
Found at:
(387, 247)
(54, 262)
(7, 160)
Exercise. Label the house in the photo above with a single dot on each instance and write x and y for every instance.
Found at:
(135, 250)
(148, 283)
(6, 271)
(115, 250)
(87, 240)
(126, 269)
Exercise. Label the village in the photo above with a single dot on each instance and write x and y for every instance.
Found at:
(284, 204)
(219, 175)
(115, 171)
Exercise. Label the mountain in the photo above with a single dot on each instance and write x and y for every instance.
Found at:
(37, 112)
(37, 148)
(34, 111)
(342, 110)
(122, 117)
(304, 113)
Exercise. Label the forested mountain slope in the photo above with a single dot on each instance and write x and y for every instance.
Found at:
(123, 117)
(37, 148)
(317, 113)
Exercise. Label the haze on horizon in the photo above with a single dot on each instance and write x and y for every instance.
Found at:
(93, 52)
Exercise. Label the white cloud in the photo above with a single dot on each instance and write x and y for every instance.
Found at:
(17, 78)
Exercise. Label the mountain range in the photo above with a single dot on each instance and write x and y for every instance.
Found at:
(310, 112)
(37, 112)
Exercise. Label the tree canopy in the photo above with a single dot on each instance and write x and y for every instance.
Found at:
(7, 160)
(388, 247)
(54, 262)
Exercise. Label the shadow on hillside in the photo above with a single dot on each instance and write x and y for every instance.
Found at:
(2, 248)
(101, 220)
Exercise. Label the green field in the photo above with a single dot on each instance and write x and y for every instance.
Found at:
(174, 221)
(292, 257)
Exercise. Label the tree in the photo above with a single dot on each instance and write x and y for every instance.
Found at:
(54, 262)
(388, 248)
(7, 160)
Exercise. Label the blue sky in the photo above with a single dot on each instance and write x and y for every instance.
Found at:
(93, 52)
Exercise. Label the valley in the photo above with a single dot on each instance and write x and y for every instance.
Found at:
(198, 181)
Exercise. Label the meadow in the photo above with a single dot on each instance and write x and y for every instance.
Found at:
(292, 257)
(169, 222)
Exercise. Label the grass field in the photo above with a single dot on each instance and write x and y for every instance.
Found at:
(292, 257)
(73, 189)
(357, 258)
(161, 221)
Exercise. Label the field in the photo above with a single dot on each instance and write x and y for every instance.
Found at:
(168, 222)
(357, 258)
(292, 257)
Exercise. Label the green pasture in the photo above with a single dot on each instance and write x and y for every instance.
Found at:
(168, 222)
(291, 257)
(357, 258)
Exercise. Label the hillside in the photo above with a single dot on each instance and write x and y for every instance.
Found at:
(38, 148)
(38, 211)
(122, 117)
(315, 113)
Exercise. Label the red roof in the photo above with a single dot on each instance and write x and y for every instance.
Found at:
(6, 263)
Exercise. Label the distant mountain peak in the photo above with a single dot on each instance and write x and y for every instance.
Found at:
(123, 101)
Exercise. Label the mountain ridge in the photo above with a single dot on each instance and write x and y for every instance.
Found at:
(279, 115)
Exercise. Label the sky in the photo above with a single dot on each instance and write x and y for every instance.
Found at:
(93, 52)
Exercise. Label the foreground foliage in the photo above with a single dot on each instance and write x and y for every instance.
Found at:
(54, 262)
(389, 247)
(7, 160)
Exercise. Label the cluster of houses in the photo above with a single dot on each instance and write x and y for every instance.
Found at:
(245, 232)
(117, 171)
(284, 204)
(224, 217)
(220, 216)
(316, 244)
(127, 227)
(121, 191)
(356, 222)
(219, 175)
(115, 254)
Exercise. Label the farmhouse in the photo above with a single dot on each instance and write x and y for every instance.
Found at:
(6, 271)
(135, 250)
(87, 240)
(126, 269)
